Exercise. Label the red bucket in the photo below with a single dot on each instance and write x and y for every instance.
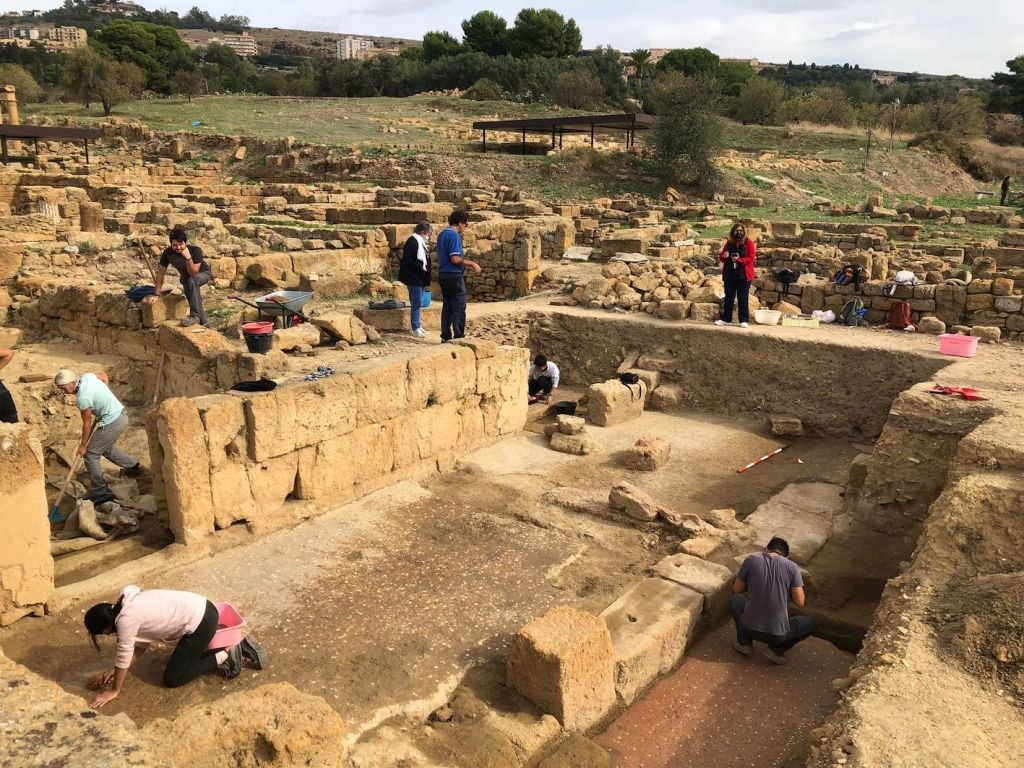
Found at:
(260, 328)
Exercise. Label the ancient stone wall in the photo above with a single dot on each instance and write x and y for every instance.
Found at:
(26, 568)
(231, 457)
(739, 375)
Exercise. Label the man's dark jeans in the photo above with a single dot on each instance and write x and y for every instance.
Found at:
(800, 628)
(453, 309)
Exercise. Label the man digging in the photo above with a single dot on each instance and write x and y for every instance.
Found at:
(193, 269)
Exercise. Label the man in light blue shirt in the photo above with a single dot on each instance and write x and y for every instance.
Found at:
(100, 407)
(451, 270)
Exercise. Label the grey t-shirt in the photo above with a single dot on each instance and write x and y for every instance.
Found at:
(769, 579)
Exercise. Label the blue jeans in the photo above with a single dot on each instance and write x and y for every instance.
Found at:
(800, 628)
(415, 301)
(453, 311)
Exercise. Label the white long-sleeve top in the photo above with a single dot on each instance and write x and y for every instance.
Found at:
(549, 370)
(154, 616)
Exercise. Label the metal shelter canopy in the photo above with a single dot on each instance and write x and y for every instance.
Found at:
(47, 133)
(629, 122)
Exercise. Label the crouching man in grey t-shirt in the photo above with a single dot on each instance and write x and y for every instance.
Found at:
(765, 584)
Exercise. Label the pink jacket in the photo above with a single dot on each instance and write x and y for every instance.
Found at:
(154, 616)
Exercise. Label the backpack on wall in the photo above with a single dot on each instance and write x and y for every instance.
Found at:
(852, 313)
(900, 316)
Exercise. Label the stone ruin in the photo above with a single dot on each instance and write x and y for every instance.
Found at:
(333, 224)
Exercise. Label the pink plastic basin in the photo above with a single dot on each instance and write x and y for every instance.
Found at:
(229, 630)
(955, 344)
(258, 328)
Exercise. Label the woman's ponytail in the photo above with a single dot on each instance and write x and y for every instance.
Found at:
(101, 618)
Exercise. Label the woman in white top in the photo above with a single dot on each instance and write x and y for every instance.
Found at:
(166, 616)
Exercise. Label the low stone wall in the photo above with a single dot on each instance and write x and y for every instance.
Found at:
(738, 374)
(231, 457)
(26, 568)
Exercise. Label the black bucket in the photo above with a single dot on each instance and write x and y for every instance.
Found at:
(259, 343)
(565, 408)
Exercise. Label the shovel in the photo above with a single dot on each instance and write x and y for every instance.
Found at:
(55, 516)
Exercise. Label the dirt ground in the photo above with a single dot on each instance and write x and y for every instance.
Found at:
(393, 598)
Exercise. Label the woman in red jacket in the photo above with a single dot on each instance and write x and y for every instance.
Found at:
(737, 258)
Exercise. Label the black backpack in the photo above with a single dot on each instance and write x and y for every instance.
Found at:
(852, 313)
(787, 277)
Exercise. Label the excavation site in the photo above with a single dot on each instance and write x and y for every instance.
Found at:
(521, 545)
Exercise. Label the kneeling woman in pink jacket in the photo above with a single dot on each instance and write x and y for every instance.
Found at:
(166, 616)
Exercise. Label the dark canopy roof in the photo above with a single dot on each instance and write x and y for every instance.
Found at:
(49, 133)
(625, 122)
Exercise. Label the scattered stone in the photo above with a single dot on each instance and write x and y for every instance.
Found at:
(786, 425)
(578, 445)
(931, 325)
(635, 502)
(575, 752)
(570, 425)
(990, 334)
(702, 546)
(612, 402)
(786, 308)
(648, 454)
(667, 397)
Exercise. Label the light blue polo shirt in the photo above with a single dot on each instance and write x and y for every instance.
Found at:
(93, 393)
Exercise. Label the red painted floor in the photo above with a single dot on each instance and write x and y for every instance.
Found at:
(724, 710)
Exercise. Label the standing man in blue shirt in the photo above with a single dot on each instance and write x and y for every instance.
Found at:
(451, 271)
(101, 407)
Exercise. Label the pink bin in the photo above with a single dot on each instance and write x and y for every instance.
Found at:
(229, 627)
(955, 344)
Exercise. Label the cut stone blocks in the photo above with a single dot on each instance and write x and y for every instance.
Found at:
(398, 319)
(786, 425)
(667, 397)
(579, 445)
(562, 662)
(612, 402)
(650, 627)
(648, 454)
(711, 580)
(801, 514)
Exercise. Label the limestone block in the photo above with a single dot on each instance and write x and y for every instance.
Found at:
(185, 470)
(667, 397)
(650, 626)
(786, 425)
(10, 261)
(231, 494)
(1010, 304)
(434, 430)
(287, 339)
(648, 454)
(270, 424)
(373, 448)
(381, 389)
(612, 402)
(579, 445)
(711, 580)
(9, 337)
(504, 373)
(441, 375)
(224, 421)
(801, 514)
(327, 471)
(398, 319)
(701, 546)
(570, 425)
(931, 325)
(634, 501)
(243, 728)
(674, 310)
(169, 307)
(343, 326)
(987, 333)
(705, 312)
(481, 347)
(26, 568)
(563, 663)
(271, 481)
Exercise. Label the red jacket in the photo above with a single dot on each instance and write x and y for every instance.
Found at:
(747, 261)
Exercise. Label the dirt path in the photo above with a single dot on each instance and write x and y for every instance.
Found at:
(725, 710)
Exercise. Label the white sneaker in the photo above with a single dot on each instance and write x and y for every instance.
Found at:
(720, 322)
(419, 333)
(744, 325)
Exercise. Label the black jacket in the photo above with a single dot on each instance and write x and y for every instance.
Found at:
(411, 271)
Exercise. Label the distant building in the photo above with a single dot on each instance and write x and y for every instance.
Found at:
(19, 33)
(881, 79)
(65, 38)
(354, 48)
(244, 44)
(755, 65)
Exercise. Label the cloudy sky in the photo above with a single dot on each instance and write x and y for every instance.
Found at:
(934, 36)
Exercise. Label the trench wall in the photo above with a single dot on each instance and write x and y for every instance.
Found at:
(26, 568)
(834, 389)
(226, 458)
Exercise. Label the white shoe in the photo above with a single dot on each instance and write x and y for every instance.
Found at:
(419, 333)
(720, 322)
(744, 325)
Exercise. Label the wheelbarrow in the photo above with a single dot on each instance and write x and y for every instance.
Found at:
(287, 305)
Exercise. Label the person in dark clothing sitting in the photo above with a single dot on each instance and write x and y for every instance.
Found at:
(8, 412)
(194, 272)
(541, 379)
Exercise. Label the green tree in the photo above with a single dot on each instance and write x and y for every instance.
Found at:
(690, 61)
(638, 60)
(962, 116)
(26, 86)
(156, 50)
(732, 75)
(687, 134)
(544, 32)
(486, 32)
(80, 75)
(118, 82)
(1009, 93)
(187, 82)
(760, 101)
(438, 44)
(483, 89)
(577, 90)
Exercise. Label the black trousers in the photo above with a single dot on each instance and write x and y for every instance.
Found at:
(540, 384)
(8, 413)
(737, 291)
(453, 310)
(190, 658)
